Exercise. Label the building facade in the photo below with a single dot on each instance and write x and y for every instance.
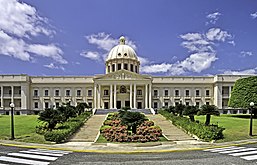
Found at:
(120, 86)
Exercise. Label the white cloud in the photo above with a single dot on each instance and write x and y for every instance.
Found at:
(143, 61)
(242, 72)
(52, 66)
(254, 15)
(232, 43)
(156, 68)
(213, 18)
(217, 34)
(92, 55)
(191, 36)
(246, 53)
(19, 22)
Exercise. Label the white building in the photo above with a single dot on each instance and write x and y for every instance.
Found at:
(122, 85)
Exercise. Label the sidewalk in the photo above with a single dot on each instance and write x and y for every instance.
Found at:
(171, 132)
(90, 130)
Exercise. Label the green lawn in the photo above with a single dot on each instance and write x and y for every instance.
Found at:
(237, 126)
(24, 128)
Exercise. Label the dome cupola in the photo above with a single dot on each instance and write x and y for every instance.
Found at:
(122, 56)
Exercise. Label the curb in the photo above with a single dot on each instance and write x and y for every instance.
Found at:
(136, 151)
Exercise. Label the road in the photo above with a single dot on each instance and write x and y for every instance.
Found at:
(236, 155)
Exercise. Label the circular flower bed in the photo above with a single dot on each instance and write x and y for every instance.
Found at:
(114, 131)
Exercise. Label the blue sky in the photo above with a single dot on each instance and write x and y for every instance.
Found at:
(171, 37)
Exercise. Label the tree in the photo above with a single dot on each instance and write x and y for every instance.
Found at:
(191, 111)
(244, 92)
(179, 108)
(67, 111)
(51, 116)
(80, 108)
(208, 110)
(132, 119)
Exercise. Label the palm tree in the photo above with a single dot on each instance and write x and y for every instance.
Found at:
(191, 111)
(132, 119)
(208, 110)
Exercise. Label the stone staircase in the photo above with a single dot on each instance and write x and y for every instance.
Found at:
(171, 132)
(89, 131)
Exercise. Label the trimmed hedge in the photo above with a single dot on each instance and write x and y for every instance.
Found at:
(244, 92)
(206, 133)
(64, 131)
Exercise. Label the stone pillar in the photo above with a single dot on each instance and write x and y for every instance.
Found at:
(229, 90)
(135, 96)
(115, 96)
(99, 96)
(111, 101)
(12, 95)
(95, 93)
(130, 96)
(2, 96)
(150, 96)
(146, 96)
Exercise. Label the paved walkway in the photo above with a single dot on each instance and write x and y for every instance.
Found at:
(90, 130)
(171, 132)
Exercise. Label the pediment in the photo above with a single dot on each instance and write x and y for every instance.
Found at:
(123, 75)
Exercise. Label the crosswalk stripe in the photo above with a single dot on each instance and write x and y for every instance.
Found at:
(238, 150)
(244, 153)
(3, 164)
(227, 149)
(253, 157)
(42, 153)
(23, 161)
(212, 149)
(33, 156)
(52, 151)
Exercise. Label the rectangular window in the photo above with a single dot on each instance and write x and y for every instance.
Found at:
(0, 104)
(131, 68)
(10, 91)
(126, 66)
(108, 69)
(46, 92)
(166, 93)
(57, 92)
(197, 104)
(177, 93)
(90, 104)
(119, 66)
(207, 103)
(197, 93)
(19, 92)
(139, 92)
(57, 104)
(207, 92)
(78, 92)
(46, 105)
(176, 103)
(155, 92)
(68, 92)
(155, 105)
(113, 67)
(187, 93)
(187, 103)
(166, 104)
(136, 69)
(89, 93)
(106, 92)
(35, 104)
(35, 92)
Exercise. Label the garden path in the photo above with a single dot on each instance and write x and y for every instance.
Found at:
(89, 131)
(171, 132)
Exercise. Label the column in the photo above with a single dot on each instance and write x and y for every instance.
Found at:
(12, 96)
(115, 95)
(146, 96)
(2, 96)
(229, 89)
(130, 96)
(111, 101)
(99, 96)
(95, 92)
(150, 96)
(135, 96)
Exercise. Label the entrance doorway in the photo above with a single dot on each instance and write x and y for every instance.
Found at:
(139, 105)
(118, 104)
(106, 105)
(127, 103)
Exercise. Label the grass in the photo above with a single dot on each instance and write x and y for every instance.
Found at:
(236, 126)
(24, 128)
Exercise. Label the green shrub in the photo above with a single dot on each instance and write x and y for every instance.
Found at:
(65, 130)
(104, 127)
(206, 133)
